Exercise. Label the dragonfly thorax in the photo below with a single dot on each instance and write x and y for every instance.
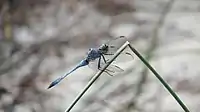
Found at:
(93, 54)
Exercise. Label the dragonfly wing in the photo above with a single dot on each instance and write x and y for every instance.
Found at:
(114, 68)
(115, 44)
(111, 69)
(94, 65)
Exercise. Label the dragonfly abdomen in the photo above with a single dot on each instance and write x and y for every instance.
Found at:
(81, 64)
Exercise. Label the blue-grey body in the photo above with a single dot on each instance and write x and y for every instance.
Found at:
(93, 54)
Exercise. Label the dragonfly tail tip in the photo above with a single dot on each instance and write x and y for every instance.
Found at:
(50, 86)
(54, 83)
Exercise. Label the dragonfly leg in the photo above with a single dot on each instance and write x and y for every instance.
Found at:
(99, 63)
(108, 54)
(104, 59)
(106, 70)
(99, 66)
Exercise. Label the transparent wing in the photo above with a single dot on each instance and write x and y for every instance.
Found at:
(115, 44)
(112, 69)
(94, 65)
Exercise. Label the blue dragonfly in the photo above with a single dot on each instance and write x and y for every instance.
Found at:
(96, 54)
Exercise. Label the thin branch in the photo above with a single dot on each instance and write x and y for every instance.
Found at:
(149, 54)
(160, 79)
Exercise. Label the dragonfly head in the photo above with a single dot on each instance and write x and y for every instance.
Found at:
(103, 48)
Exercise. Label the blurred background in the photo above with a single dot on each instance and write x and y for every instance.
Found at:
(41, 40)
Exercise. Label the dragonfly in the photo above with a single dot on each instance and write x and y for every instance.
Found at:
(108, 48)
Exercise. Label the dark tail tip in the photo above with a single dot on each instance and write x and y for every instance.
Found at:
(51, 85)
(54, 83)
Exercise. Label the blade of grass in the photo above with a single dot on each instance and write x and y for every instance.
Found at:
(160, 79)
